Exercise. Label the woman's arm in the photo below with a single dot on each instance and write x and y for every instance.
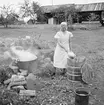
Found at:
(61, 45)
(70, 44)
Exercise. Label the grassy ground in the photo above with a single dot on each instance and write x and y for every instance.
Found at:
(90, 40)
(89, 43)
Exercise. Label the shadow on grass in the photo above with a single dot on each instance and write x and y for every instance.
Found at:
(9, 28)
(18, 27)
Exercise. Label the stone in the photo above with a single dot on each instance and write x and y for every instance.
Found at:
(31, 76)
(28, 92)
(14, 68)
(12, 84)
(7, 81)
(33, 83)
(19, 87)
(24, 72)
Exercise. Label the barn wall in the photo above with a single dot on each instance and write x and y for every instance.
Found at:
(51, 21)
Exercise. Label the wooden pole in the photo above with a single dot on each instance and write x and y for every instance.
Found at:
(101, 20)
(52, 2)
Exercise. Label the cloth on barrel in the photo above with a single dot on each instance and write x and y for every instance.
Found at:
(87, 73)
(76, 62)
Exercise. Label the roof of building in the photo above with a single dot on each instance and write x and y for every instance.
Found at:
(83, 7)
(93, 7)
(49, 8)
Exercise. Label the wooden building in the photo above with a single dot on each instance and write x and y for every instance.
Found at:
(48, 10)
(97, 8)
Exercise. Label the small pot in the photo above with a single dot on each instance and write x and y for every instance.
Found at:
(82, 96)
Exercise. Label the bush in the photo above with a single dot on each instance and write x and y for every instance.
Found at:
(3, 75)
(8, 97)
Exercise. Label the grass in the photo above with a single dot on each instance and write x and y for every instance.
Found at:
(86, 40)
(88, 43)
(47, 32)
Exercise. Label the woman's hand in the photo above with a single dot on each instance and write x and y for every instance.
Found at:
(71, 55)
(66, 50)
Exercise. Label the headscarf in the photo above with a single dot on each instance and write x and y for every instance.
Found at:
(63, 23)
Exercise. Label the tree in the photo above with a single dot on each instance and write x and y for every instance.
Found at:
(7, 15)
(92, 17)
(72, 12)
(25, 8)
(59, 14)
(31, 9)
(67, 13)
(64, 13)
(38, 10)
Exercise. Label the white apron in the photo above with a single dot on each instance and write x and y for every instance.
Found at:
(60, 55)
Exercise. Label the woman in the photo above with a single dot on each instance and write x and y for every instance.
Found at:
(63, 47)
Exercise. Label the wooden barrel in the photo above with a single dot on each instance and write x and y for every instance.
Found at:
(74, 73)
(74, 68)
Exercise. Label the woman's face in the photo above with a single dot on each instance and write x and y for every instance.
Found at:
(63, 28)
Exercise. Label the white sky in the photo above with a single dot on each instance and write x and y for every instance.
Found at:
(48, 2)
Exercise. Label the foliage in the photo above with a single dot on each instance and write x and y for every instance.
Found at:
(38, 10)
(3, 74)
(92, 17)
(26, 9)
(33, 10)
(73, 12)
(8, 97)
(66, 14)
(59, 14)
(7, 15)
(57, 90)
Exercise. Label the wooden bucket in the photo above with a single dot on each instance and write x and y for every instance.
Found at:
(74, 73)
(82, 96)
